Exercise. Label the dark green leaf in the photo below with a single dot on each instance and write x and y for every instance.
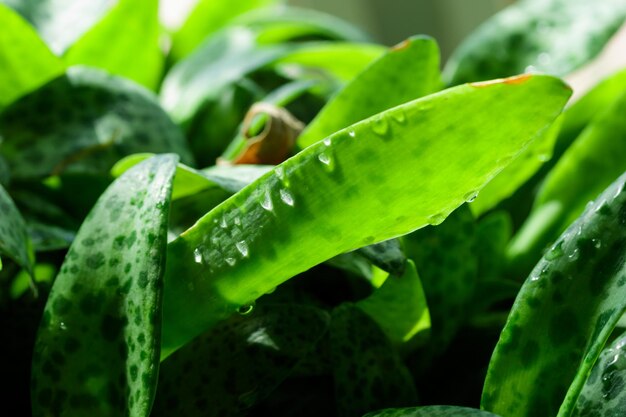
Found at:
(388, 256)
(431, 411)
(14, 241)
(353, 189)
(536, 35)
(563, 315)
(97, 350)
(84, 122)
(239, 362)
(367, 371)
(492, 235)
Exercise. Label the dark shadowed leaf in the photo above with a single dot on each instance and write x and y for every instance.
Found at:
(432, 411)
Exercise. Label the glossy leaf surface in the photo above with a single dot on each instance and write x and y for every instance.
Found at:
(230, 256)
(97, 350)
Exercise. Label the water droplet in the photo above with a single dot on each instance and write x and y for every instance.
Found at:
(436, 219)
(280, 172)
(62, 326)
(597, 243)
(544, 157)
(286, 197)
(399, 116)
(327, 142)
(197, 255)
(267, 202)
(270, 291)
(324, 158)
(230, 261)
(380, 126)
(351, 134)
(556, 252)
(471, 196)
(246, 309)
(574, 255)
(237, 221)
(242, 247)
(223, 224)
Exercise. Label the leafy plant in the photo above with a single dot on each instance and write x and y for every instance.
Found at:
(270, 214)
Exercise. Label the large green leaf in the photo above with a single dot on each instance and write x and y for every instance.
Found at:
(563, 315)
(220, 61)
(25, 61)
(413, 65)
(84, 121)
(603, 394)
(239, 362)
(207, 17)
(536, 35)
(431, 411)
(61, 22)
(364, 184)
(14, 241)
(97, 350)
(592, 162)
(125, 42)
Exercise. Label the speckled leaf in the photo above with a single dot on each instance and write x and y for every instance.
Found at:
(431, 411)
(536, 35)
(563, 315)
(218, 62)
(25, 61)
(603, 393)
(591, 163)
(14, 240)
(97, 350)
(353, 189)
(133, 52)
(388, 256)
(414, 64)
(399, 306)
(446, 260)
(367, 371)
(493, 233)
(239, 362)
(61, 22)
(84, 122)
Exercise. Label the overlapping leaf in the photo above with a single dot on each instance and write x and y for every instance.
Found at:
(431, 411)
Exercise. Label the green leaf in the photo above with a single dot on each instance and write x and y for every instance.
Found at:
(563, 315)
(592, 162)
(388, 256)
(367, 372)
(61, 22)
(220, 61)
(414, 64)
(493, 233)
(399, 306)
(133, 52)
(14, 240)
(536, 35)
(355, 188)
(603, 393)
(206, 18)
(431, 411)
(25, 61)
(97, 350)
(239, 362)
(84, 122)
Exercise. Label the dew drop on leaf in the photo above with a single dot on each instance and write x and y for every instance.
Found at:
(267, 203)
(242, 247)
(436, 219)
(286, 197)
(380, 126)
(246, 309)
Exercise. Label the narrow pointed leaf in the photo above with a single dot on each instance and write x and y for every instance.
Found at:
(431, 411)
(536, 35)
(563, 315)
(14, 240)
(365, 184)
(25, 60)
(133, 52)
(239, 362)
(97, 350)
(399, 306)
(84, 122)
(413, 64)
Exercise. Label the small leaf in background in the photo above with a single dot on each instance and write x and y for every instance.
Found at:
(590, 164)
(367, 371)
(603, 394)
(335, 196)
(14, 241)
(239, 362)
(84, 122)
(562, 316)
(97, 350)
(25, 60)
(431, 411)
(125, 42)
(413, 64)
(61, 22)
(399, 306)
(207, 17)
(536, 35)
(218, 62)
